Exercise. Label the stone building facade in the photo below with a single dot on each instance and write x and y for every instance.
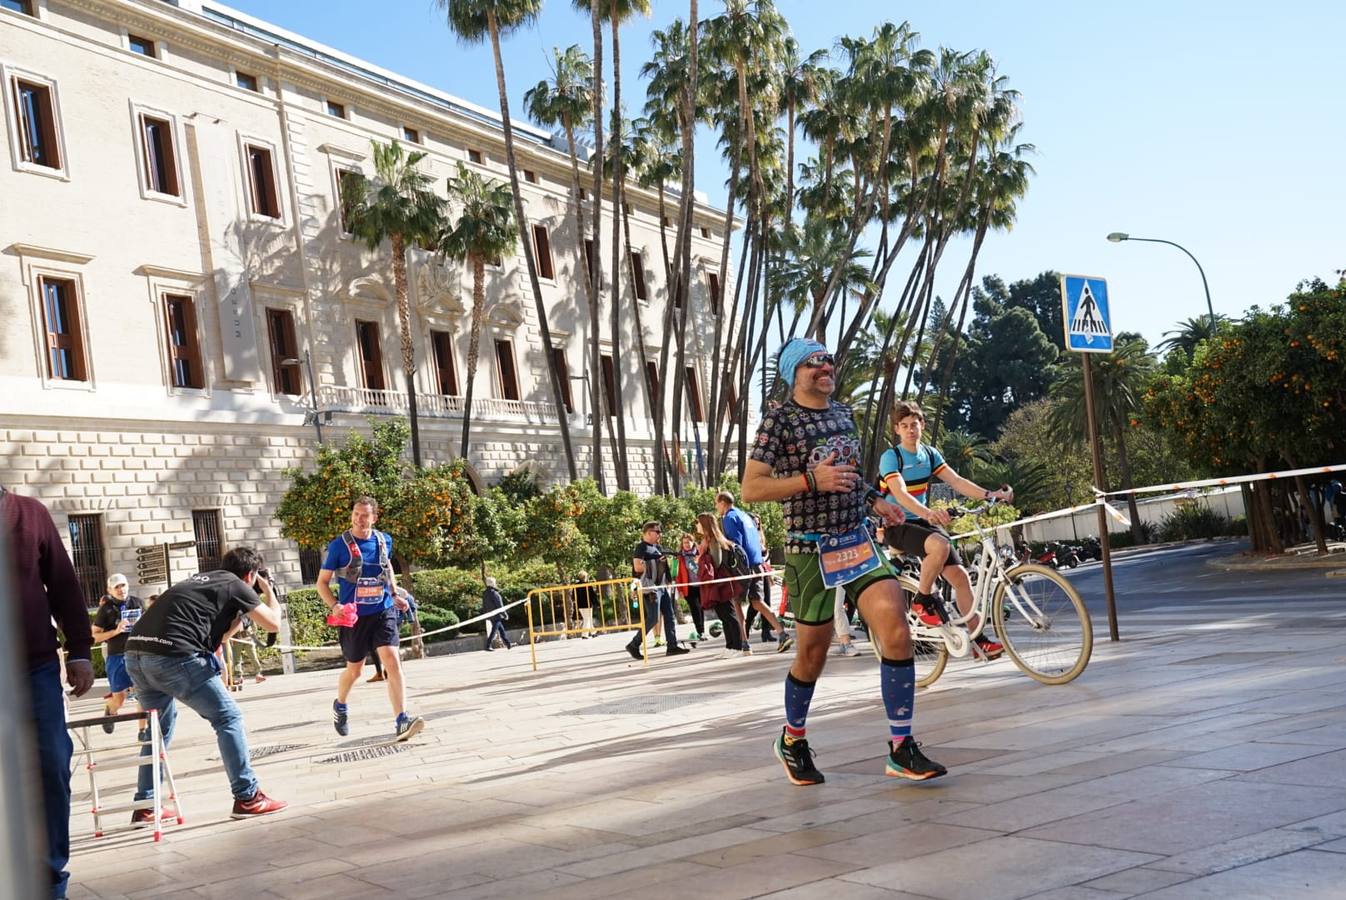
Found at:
(175, 276)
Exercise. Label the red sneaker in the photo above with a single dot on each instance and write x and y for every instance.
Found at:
(259, 805)
(925, 614)
(989, 648)
(142, 818)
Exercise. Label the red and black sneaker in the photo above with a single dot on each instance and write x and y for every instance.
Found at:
(989, 648)
(258, 805)
(926, 609)
(144, 817)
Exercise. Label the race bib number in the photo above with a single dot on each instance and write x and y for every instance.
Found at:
(846, 557)
(369, 591)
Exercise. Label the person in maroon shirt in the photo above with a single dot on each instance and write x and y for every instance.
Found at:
(44, 582)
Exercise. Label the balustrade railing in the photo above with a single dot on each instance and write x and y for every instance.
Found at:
(343, 398)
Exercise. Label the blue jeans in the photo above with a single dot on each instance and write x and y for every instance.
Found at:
(497, 627)
(160, 680)
(54, 749)
(658, 604)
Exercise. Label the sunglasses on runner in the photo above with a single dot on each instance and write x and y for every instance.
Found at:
(819, 360)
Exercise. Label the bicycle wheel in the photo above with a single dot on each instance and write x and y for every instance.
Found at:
(928, 652)
(1043, 624)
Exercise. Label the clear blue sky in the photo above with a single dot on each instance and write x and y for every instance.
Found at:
(1218, 125)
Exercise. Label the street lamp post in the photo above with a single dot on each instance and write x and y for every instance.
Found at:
(312, 392)
(1118, 236)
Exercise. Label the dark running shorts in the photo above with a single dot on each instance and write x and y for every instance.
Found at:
(910, 539)
(368, 632)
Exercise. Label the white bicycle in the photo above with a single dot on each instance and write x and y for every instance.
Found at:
(1038, 615)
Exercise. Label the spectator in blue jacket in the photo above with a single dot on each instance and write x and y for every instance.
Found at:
(739, 527)
(492, 600)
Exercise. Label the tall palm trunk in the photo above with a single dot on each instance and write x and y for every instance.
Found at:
(473, 345)
(558, 397)
(596, 264)
(408, 351)
(590, 295)
(688, 203)
(623, 462)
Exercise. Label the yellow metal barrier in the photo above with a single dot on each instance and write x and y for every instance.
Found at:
(558, 613)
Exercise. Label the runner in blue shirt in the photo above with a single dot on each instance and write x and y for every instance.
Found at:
(359, 562)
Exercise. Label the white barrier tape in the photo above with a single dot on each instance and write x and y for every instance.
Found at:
(424, 634)
(641, 589)
(1222, 482)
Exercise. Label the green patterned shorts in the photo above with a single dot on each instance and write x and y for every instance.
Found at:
(811, 601)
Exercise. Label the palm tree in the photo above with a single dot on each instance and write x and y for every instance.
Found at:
(812, 255)
(484, 230)
(615, 12)
(1189, 333)
(396, 205)
(1120, 379)
(473, 21)
(966, 451)
(801, 80)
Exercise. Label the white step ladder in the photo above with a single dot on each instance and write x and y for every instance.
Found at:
(148, 721)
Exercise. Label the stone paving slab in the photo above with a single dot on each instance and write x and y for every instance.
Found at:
(1182, 764)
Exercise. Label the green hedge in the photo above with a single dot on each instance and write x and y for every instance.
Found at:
(1191, 522)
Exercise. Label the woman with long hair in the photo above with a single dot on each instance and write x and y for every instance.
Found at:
(713, 562)
(686, 579)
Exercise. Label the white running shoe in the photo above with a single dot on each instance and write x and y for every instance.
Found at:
(847, 649)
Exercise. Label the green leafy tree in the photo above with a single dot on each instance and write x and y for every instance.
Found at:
(485, 229)
(396, 205)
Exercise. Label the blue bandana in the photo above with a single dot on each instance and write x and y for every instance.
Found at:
(794, 352)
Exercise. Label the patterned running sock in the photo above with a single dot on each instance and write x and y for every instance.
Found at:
(898, 681)
(798, 696)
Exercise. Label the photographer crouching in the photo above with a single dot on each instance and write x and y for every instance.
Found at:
(170, 656)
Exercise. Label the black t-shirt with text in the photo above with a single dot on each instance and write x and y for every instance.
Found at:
(192, 616)
(110, 612)
(656, 564)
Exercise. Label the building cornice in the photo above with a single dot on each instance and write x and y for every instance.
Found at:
(52, 253)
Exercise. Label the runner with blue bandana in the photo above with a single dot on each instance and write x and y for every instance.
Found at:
(807, 456)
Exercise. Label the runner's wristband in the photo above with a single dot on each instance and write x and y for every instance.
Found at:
(812, 481)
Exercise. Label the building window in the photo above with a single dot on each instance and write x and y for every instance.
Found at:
(86, 552)
(509, 377)
(589, 254)
(343, 183)
(247, 82)
(609, 385)
(474, 156)
(262, 183)
(542, 246)
(705, 233)
(558, 354)
(38, 143)
(584, 194)
(446, 373)
(184, 350)
(310, 562)
(731, 398)
(694, 396)
(209, 539)
(65, 336)
(530, 176)
(285, 373)
(19, 6)
(410, 135)
(652, 379)
(336, 109)
(142, 45)
(626, 207)
(664, 221)
(638, 275)
(371, 355)
(713, 279)
(159, 156)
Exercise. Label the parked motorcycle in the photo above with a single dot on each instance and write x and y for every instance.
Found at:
(1067, 555)
(1091, 548)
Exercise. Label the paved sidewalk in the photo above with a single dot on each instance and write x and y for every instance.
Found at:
(1205, 760)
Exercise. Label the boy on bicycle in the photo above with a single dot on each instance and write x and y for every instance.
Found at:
(904, 477)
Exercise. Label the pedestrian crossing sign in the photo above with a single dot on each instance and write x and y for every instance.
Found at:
(1086, 315)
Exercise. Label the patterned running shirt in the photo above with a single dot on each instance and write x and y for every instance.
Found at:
(794, 439)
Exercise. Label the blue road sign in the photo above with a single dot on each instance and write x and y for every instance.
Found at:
(1087, 317)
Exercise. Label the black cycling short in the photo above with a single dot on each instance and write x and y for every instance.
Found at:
(910, 536)
(368, 633)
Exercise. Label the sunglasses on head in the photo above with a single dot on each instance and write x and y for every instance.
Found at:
(820, 360)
